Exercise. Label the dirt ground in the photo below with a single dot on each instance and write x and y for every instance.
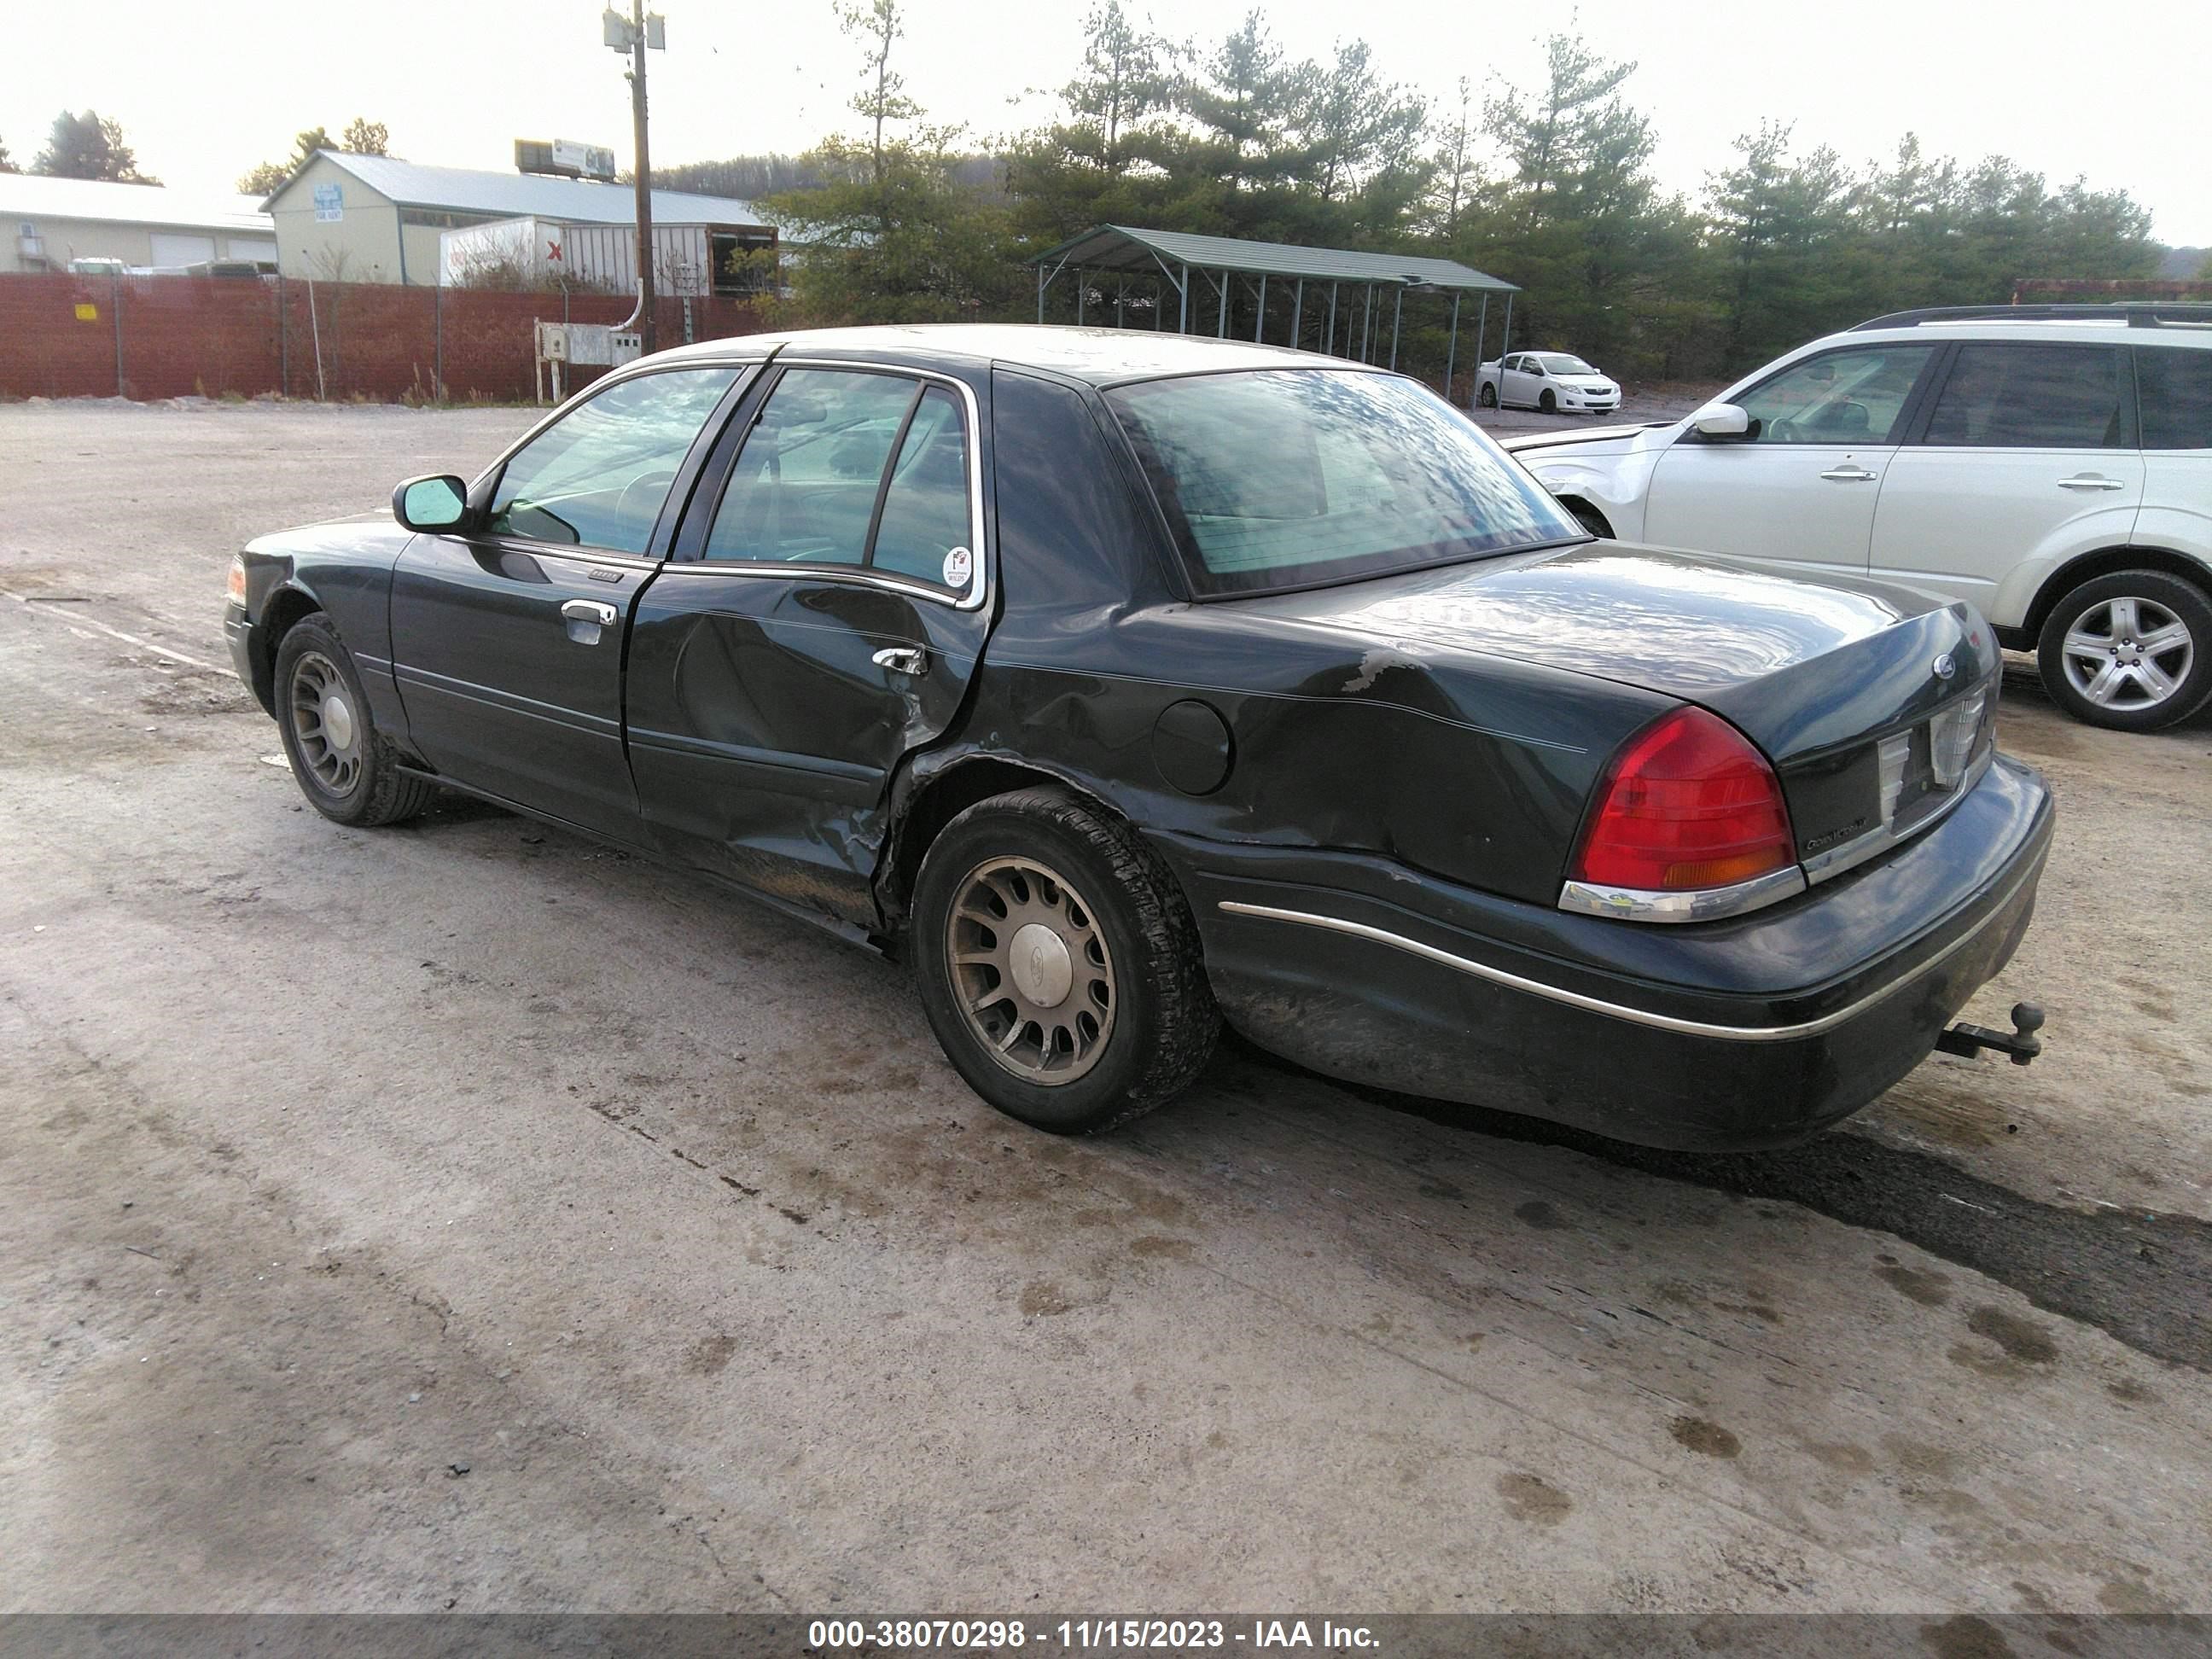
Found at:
(467, 1216)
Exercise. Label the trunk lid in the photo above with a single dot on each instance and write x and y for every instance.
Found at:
(1843, 684)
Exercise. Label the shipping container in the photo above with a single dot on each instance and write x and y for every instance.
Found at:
(690, 261)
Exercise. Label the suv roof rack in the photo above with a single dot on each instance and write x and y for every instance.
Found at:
(2138, 313)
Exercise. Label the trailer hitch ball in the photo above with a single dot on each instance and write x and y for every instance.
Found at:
(2022, 1042)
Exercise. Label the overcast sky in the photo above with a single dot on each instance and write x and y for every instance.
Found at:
(206, 89)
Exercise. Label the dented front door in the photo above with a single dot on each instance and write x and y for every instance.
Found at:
(821, 619)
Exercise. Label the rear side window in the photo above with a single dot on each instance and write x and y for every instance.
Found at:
(851, 468)
(924, 525)
(2173, 389)
(2032, 396)
(804, 486)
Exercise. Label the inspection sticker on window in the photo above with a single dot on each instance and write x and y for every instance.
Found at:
(959, 565)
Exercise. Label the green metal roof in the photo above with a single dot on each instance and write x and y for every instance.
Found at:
(1120, 248)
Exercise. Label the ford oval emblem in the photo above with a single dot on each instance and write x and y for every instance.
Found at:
(1945, 667)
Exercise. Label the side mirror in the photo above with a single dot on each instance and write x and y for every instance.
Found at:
(432, 505)
(1722, 421)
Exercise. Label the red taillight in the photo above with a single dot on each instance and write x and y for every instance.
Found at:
(1689, 803)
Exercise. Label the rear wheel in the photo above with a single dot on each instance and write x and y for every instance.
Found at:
(344, 766)
(1487, 397)
(2132, 650)
(1058, 964)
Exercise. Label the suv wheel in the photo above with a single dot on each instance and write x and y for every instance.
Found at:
(2132, 651)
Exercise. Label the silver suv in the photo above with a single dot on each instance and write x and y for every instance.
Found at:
(2050, 464)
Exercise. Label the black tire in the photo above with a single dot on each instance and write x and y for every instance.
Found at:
(1487, 397)
(1549, 402)
(2164, 607)
(1160, 1022)
(356, 782)
(1589, 519)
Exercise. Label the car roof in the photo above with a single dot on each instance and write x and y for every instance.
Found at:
(2104, 331)
(1099, 355)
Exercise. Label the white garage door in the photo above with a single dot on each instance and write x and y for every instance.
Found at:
(171, 249)
(252, 247)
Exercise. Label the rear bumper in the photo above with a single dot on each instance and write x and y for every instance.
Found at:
(1727, 1036)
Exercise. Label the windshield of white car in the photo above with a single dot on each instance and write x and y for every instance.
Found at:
(1560, 362)
(1279, 478)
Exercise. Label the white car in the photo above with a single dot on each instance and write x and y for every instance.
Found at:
(1553, 381)
(2050, 465)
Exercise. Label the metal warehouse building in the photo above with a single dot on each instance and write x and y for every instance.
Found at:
(50, 222)
(376, 219)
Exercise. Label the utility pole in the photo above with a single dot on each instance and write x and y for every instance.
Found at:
(633, 34)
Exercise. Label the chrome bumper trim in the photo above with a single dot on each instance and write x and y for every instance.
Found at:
(1704, 905)
(1622, 1010)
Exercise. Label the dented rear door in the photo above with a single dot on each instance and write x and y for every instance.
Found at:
(823, 615)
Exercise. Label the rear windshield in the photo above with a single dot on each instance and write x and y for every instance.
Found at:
(1277, 478)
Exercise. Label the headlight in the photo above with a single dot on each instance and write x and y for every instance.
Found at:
(237, 583)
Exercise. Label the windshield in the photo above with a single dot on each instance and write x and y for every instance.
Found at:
(1279, 478)
(1560, 362)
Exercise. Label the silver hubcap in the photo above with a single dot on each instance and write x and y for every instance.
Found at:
(323, 724)
(2128, 653)
(1031, 970)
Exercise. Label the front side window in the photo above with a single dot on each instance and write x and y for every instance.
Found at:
(1290, 477)
(597, 476)
(1850, 396)
(2174, 388)
(856, 469)
(2031, 397)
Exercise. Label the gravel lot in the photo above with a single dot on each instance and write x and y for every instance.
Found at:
(337, 1164)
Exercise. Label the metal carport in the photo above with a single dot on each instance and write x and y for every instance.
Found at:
(1172, 261)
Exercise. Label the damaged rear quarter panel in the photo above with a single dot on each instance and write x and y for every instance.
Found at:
(1470, 767)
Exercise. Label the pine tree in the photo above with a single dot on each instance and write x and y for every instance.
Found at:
(89, 146)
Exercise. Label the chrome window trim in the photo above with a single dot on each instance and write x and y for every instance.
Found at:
(1698, 1028)
(979, 583)
(1702, 904)
(855, 575)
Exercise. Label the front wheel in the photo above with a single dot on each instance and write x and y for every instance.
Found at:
(1059, 964)
(1487, 397)
(1549, 402)
(2131, 650)
(344, 766)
